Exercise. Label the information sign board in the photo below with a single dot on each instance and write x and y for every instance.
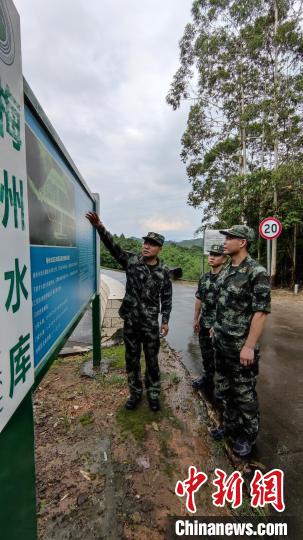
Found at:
(212, 236)
(62, 241)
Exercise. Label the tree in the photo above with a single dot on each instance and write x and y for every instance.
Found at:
(241, 65)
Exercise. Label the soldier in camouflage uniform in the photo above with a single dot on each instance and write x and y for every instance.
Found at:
(147, 283)
(243, 302)
(204, 316)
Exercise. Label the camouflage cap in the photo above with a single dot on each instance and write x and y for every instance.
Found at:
(156, 237)
(217, 248)
(240, 231)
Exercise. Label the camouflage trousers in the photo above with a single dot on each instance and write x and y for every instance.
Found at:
(137, 334)
(237, 386)
(208, 353)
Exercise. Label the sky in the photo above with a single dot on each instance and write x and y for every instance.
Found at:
(101, 71)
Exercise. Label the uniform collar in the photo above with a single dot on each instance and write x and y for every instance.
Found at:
(242, 267)
(142, 261)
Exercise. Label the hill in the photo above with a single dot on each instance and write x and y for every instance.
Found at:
(182, 243)
(173, 255)
(188, 243)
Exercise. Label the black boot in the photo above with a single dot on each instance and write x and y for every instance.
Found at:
(154, 403)
(204, 383)
(132, 402)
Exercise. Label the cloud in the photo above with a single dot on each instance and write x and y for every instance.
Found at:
(158, 224)
(101, 71)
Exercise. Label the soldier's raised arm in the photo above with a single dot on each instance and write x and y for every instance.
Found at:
(115, 250)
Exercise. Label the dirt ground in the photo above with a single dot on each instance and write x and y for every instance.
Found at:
(104, 472)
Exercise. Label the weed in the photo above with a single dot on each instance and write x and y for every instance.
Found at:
(116, 355)
(87, 418)
(135, 422)
(111, 379)
(42, 506)
(84, 390)
(260, 512)
(115, 380)
(175, 378)
(169, 468)
(66, 420)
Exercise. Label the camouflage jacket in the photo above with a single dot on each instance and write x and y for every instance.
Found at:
(146, 285)
(206, 292)
(240, 292)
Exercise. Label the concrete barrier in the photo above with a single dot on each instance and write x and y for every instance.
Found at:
(104, 293)
(112, 293)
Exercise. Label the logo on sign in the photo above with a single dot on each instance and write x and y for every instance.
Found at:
(7, 44)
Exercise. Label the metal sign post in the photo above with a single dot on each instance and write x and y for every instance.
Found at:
(268, 253)
(17, 476)
(203, 252)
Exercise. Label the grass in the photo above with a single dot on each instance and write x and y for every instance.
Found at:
(116, 355)
(167, 454)
(86, 419)
(135, 421)
(84, 391)
(247, 510)
(66, 420)
(175, 378)
(115, 380)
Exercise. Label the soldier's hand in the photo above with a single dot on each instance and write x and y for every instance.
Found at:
(247, 356)
(164, 330)
(94, 219)
(196, 326)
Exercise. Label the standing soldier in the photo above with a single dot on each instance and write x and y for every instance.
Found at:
(147, 283)
(204, 316)
(243, 302)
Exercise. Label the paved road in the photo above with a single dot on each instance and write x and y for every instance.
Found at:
(279, 386)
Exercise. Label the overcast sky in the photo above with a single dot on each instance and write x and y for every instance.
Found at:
(101, 70)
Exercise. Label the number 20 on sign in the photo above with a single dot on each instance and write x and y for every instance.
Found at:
(270, 228)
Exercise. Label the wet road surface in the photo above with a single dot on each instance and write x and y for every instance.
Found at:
(280, 381)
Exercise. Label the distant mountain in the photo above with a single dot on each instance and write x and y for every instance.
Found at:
(188, 243)
(182, 243)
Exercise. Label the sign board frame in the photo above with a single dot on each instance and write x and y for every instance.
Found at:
(16, 327)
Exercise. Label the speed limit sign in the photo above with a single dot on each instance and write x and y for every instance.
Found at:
(270, 228)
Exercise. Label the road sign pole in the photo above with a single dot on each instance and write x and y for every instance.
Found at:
(17, 475)
(203, 252)
(268, 256)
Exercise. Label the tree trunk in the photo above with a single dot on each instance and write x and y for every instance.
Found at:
(243, 167)
(294, 273)
(276, 148)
